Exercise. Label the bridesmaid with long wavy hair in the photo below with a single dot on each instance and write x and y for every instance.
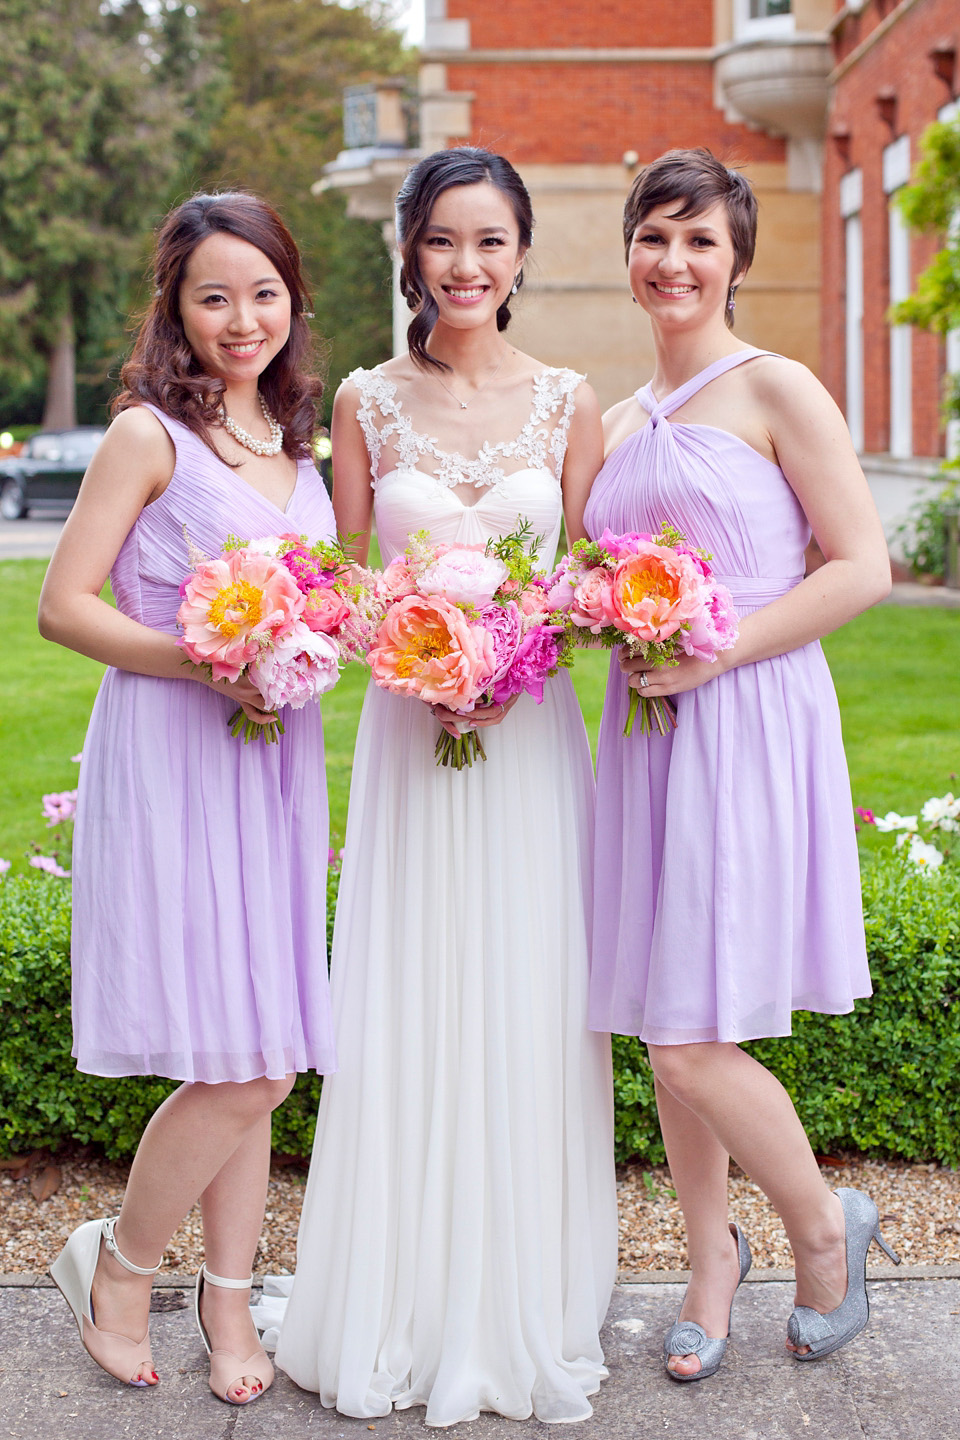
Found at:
(199, 904)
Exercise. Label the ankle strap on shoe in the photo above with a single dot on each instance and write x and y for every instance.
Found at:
(208, 1275)
(113, 1249)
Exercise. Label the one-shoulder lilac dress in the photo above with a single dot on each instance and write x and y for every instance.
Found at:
(199, 862)
(727, 890)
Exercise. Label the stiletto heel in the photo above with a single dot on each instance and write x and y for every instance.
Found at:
(686, 1337)
(825, 1333)
(72, 1272)
(227, 1369)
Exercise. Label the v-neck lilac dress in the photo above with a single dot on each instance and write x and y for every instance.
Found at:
(199, 862)
(727, 889)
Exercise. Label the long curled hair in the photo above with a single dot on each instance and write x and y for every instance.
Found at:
(163, 368)
(422, 187)
(695, 180)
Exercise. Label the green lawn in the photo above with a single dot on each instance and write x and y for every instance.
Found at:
(896, 670)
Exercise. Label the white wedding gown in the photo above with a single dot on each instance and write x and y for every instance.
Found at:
(458, 1240)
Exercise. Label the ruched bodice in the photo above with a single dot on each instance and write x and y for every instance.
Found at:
(211, 501)
(727, 885)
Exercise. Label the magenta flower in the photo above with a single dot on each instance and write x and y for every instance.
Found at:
(535, 659)
(504, 625)
(306, 569)
(867, 816)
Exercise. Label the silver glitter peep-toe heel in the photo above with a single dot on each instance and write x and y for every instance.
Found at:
(686, 1337)
(826, 1333)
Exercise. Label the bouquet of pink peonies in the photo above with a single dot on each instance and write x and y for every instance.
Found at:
(654, 594)
(281, 611)
(465, 626)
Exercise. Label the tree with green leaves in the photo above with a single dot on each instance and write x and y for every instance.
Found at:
(288, 62)
(932, 204)
(101, 108)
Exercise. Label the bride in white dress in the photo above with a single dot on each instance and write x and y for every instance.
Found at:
(458, 1239)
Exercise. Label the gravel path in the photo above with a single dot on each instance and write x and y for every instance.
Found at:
(919, 1207)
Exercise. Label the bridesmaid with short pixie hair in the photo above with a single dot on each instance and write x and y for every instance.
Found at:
(727, 886)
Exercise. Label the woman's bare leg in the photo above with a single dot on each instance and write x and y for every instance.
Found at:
(750, 1116)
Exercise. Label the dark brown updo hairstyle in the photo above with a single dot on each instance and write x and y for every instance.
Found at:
(695, 180)
(423, 186)
(164, 370)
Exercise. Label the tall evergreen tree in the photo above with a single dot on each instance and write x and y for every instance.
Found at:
(101, 106)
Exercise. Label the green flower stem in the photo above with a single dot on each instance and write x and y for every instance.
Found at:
(656, 711)
(239, 725)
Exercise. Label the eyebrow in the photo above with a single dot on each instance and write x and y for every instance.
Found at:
(219, 285)
(483, 230)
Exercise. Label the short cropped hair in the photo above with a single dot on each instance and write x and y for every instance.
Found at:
(695, 180)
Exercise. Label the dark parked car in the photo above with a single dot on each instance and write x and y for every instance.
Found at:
(46, 474)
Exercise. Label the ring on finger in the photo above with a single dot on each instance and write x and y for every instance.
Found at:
(644, 680)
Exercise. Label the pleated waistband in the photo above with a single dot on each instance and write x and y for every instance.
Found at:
(756, 590)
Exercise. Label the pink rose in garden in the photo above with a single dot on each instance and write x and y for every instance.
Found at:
(228, 602)
(594, 604)
(296, 668)
(465, 574)
(426, 647)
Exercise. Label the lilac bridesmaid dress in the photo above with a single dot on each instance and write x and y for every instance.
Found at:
(727, 889)
(199, 862)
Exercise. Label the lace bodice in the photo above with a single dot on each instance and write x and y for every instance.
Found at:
(544, 434)
(517, 479)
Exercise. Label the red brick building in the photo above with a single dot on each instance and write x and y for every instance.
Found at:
(895, 71)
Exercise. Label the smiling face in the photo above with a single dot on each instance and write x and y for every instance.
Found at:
(681, 270)
(470, 253)
(235, 309)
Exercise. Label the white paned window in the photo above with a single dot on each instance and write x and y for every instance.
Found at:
(851, 200)
(896, 172)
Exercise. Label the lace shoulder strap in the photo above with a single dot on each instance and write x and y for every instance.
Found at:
(554, 388)
(376, 390)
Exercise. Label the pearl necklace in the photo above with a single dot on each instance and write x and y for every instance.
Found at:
(273, 446)
(489, 381)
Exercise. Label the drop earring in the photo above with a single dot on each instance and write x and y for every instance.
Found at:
(513, 288)
(634, 299)
(732, 300)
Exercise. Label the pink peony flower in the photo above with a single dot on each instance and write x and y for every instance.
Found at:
(593, 604)
(306, 569)
(59, 807)
(298, 666)
(325, 611)
(426, 647)
(535, 599)
(562, 585)
(655, 591)
(714, 628)
(619, 546)
(504, 625)
(466, 575)
(535, 658)
(228, 603)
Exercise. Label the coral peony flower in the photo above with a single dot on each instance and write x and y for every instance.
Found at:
(231, 601)
(655, 591)
(427, 647)
(536, 657)
(295, 668)
(466, 575)
(594, 604)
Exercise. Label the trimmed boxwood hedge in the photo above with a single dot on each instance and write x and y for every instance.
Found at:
(883, 1079)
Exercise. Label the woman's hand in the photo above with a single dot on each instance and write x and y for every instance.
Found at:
(687, 674)
(479, 719)
(245, 694)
